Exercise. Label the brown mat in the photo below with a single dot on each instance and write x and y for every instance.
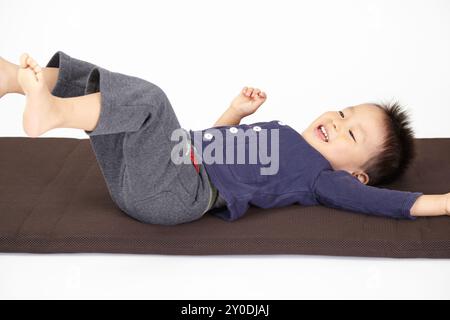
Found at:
(53, 199)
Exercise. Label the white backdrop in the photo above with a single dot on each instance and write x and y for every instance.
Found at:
(308, 56)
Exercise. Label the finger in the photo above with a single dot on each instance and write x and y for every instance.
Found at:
(262, 94)
(249, 91)
(255, 93)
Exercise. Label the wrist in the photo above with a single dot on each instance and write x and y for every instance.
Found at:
(447, 203)
(229, 118)
(444, 203)
(236, 112)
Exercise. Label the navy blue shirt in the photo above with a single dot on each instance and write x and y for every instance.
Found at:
(304, 176)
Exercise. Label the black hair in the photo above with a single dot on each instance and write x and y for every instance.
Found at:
(397, 150)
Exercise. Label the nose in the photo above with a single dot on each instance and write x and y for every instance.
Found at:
(337, 123)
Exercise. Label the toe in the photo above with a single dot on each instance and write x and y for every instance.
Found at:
(23, 60)
(39, 74)
(32, 63)
(34, 66)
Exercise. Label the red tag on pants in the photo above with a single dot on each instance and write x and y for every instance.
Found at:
(194, 161)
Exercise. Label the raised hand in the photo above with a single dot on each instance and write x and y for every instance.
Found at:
(248, 101)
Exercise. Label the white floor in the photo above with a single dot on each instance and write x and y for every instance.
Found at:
(98, 276)
(308, 56)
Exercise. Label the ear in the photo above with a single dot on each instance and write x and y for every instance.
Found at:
(362, 176)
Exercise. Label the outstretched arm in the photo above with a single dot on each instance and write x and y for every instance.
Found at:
(341, 190)
(245, 104)
(431, 205)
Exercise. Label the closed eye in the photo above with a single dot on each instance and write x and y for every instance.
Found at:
(341, 113)
(351, 133)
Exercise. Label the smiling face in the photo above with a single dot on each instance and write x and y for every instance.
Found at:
(348, 138)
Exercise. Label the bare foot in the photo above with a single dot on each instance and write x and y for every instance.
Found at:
(8, 75)
(40, 114)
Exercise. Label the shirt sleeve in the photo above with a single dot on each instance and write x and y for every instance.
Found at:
(339, 189)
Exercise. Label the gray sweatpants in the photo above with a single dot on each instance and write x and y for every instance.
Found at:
(132, 144)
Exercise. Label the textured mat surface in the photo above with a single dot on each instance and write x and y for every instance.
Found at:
(53, 199)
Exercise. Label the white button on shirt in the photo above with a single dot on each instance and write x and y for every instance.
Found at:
(233, 129)
(257, 128)
(281, 123)
(208, 136)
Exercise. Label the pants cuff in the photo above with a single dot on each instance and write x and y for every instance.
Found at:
(117, 114)
(72, 75)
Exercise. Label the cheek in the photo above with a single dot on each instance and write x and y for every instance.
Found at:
(322, 118)
(341, 147)
(341, 152)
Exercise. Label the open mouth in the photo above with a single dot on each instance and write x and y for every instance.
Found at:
(322, 133)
